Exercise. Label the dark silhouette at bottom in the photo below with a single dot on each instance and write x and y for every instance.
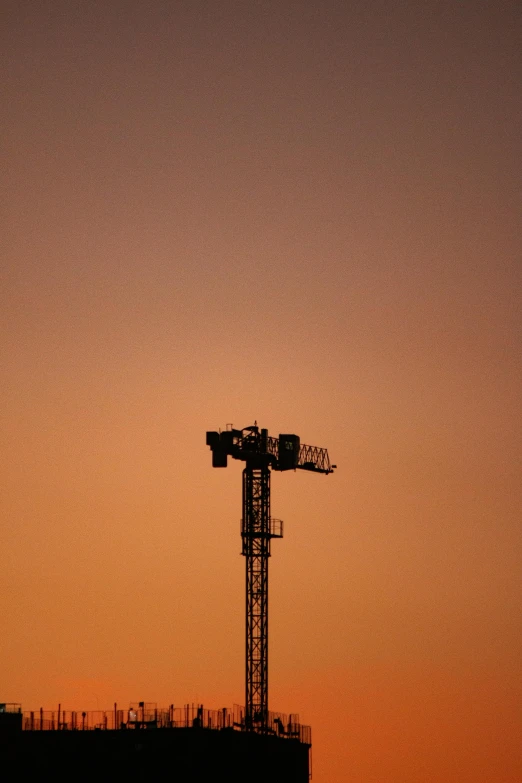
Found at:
(186, 743)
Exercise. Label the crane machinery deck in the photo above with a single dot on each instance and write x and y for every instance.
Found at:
(261, 453)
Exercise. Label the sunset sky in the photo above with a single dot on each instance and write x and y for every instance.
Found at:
(304, 213)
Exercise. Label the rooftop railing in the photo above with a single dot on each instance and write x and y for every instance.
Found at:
(147, 715)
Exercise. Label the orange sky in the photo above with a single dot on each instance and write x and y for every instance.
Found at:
(305, 214)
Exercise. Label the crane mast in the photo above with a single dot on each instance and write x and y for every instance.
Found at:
(261, 453)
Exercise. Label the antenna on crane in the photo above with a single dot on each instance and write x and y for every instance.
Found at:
(261, 454)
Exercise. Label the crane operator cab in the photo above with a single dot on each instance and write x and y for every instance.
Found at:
(288, 452)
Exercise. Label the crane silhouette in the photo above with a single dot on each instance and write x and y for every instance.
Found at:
(261, 453)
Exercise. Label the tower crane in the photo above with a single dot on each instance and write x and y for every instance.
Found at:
(261, 453)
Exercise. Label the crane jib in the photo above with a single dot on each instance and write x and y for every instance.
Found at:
(250, 444)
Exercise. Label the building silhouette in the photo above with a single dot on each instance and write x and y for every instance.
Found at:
(187, 743)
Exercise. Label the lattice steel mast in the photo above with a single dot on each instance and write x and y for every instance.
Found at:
(261, 453)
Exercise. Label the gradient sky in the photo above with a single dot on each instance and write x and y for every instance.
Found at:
(304, 213)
